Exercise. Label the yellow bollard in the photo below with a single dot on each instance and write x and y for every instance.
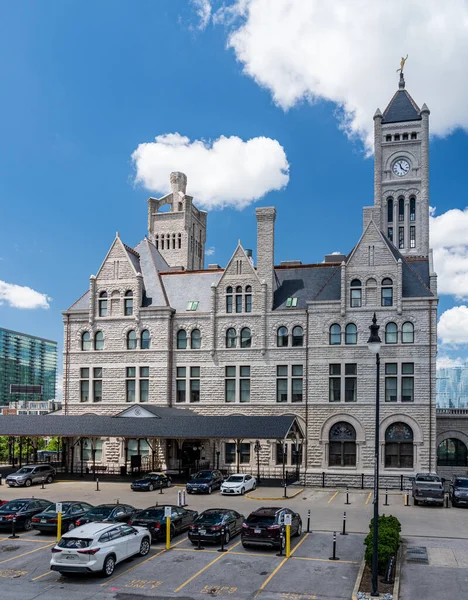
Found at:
(168, 533)
(406, 500)
(59, 526)
(288, 541)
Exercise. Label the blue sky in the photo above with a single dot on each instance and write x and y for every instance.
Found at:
(84, 84)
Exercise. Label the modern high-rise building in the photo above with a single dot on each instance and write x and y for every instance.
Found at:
(452, 387)
(28, 367)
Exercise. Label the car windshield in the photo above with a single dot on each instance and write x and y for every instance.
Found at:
(203, 475)
(100, 511)
(74, 542)
(150, 513)
(428, 479)
(13, 506)
(261, 520)
(235, 479)
(26, 470)
(462, 483)
(210, 517)
(52, 507)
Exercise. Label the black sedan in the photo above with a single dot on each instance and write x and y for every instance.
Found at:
(205, 482)
(150, 482)
(23, 510)
(213, 523)
(71, 511)
(153, 518)
(113, 513)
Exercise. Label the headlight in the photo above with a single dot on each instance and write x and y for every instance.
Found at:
(457, 493)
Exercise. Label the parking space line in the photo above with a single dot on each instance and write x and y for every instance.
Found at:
(368, 498)
(143, 562)
(254, 554)
(349, 562)
(205, 568)
(22, 539)
(43, 575)
(273, 573)
(193, 550)
(334, 496)
(25, 553)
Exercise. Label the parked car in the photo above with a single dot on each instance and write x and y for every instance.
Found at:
(213, 523)
(31, 474)
(238, 484)
(46, 520)
(107, 512)
(23, 509)
(428, 488)
(154, 520)
(263, 526)
(150, 482)
(2, 502)
(98, 547)
(205, 481)
(459, 491)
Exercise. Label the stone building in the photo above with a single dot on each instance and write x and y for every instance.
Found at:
(156, 329)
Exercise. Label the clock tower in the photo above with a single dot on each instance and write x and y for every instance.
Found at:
(401, 172)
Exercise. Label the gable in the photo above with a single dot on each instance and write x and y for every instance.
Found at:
(239, 267)
(137, 411)
(371, 250)
(120, 263)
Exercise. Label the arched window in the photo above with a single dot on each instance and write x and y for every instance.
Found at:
(131, 340)
(145, 340)
(181, 339)
(99, 341)
(297, 336)
(351, 334)
(342, 445)
(407, 333)
(401, 209)
(391, 333)
(452, 453)
(399, 446)
(195, 339)
(356, 293)
(86, 341)
(238, 299)
(246, 338)
(282, 337)
(231, 338)
(412, 209)
(89, 448)
(335, 334)
(390, 210)
(229, 299)
(248, 298)
(387, 292)
(128, 310)
(103, 304)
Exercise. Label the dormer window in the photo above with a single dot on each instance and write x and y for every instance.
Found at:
(356, 293)
(128, 309)
(103, 304)
(192, 305)
(291, 302)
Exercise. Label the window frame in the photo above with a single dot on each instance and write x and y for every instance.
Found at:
(282, 337)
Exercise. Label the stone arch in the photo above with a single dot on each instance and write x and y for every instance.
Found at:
(405, 153)
(450, 434)
(342, 416)
(326, 326)
(418, 437)
(129, 327)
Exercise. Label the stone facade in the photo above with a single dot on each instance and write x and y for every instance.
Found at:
(262, 340)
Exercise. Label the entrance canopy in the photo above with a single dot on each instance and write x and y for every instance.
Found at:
(170, 426)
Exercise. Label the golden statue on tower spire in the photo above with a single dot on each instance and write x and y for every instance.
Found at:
(402, 64)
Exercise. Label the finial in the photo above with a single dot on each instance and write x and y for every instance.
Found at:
(117, 234)
(401, 84)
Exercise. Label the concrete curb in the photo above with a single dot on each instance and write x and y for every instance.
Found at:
(274, 498)
(357, 585)
(396, 584)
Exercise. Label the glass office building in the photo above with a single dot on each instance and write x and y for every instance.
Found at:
(452, 387)
(28, 367)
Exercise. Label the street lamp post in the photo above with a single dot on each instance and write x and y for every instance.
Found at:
(373, 344)
(257, 452)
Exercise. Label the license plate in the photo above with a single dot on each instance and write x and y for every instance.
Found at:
(202, 531)
(257, 531)
(430, 499)
(43, 520)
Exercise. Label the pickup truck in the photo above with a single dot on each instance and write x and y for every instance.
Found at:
(428, 488)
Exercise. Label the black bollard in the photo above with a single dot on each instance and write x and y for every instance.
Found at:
(347, 496)
(13, 526)
(97, 484)
(42, 486)
(334, 557)
(160, 490)
(0, 479)
(344, 524)
(386, 498)
(223, 533)
(199, 547)
(308, 521)
(280, 553)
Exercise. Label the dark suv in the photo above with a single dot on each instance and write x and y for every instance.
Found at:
(205, 481)
(459, 491)
(264, 525)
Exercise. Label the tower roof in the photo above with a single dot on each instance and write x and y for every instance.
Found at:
(401, 107)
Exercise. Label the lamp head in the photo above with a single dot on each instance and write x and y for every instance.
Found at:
(374, 341)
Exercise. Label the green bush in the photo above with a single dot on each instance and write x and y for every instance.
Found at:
(389, 540)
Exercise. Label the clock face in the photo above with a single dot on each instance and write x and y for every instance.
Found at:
(401, 167)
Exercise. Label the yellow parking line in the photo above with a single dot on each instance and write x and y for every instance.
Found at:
(142, 562)
(369, 497)
(25, 553)
(204, 569)
(334, 496)
(44, 574)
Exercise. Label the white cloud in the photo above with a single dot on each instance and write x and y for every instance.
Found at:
(226, 172)
(446, 362)
(203, 10)
(449, 239)
(452, 328)
(21, 296)
(210, 251)
(347, 51)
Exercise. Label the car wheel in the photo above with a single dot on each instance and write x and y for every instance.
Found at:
(151, 487)
(189, 491)
(144, 546)
(71, 526)
(27, 525)
(210, 489)
(28, 483)
(109, 566)
(227, 537)
(242, 491)
(49, 479)
(169, 483)
(244, 545)
(254, 487)
(173, 531)
(299, 529)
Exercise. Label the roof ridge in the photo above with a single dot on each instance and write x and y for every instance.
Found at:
(131, 250)
(158, 276)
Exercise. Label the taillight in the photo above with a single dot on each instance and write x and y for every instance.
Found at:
(416, 491)
(245, 526)
(92, 551)
(193, 527)
(10, 517)
(216, 528)
(130, 522)
(274, 527)
(78, 523)
(53, 521)
(35, 520)
(157, 525)
(54, 550)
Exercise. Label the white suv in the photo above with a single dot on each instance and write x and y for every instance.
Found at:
(98, 547)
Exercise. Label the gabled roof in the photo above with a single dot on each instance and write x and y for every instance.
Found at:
(151, 411)
(401, 108)
(186, 286)
(151, 263)
(82, 303)
(415, 274)
(304, 283)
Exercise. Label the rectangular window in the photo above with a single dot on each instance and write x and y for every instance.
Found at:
(229, 453)
(407, 382)
(84, 373)
(84, 390)
(356, 298)
(412, 235)
(192, 305)
(390, 234)
(238, 303)
(281, 452)
(248, 303)
(296, 384)
(397, 137)
(229, 304)
(351, 382)
(291, 302)
(131, 371)
(387, 296)
(181, 384)
(335, 383)
(230, 384)
(391, 382)
(401, 237)
(130, 390)
(97, 384)
(244, 384)
(282, 383)
(414, 136)
(405, 136)
(194, 384)
(244, 453)
(144, 390)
